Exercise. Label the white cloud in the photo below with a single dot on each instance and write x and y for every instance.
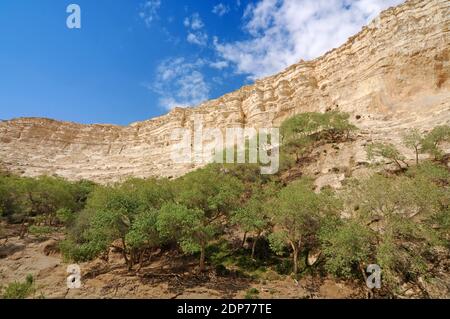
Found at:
(180, 83)
(199, 38)
(219, 65)
(221, 9)
(149, 11)
(281, 32)
(194, 22)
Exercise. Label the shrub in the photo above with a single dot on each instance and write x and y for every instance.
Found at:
(20, 290)
(433, 140)
(347, 246)
(65, 216)
(399, 213)
(386, 151)
(41, 231)
(252, 293)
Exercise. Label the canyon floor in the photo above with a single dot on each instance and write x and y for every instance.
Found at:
(167, 277)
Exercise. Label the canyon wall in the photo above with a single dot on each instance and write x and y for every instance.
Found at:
(391, 76)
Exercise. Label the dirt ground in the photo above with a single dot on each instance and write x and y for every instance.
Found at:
(167, 277)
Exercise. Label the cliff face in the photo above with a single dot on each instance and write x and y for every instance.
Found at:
(391, 76)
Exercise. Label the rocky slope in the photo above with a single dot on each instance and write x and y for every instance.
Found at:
(391, 76)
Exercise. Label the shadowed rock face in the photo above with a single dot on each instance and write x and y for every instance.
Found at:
(392, 76)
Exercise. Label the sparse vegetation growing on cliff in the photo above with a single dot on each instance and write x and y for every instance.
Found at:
(388, 152)
(433, 141)
(301, 133)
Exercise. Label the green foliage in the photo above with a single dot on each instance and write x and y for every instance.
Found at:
(400, 213)
(20, 290)
(252, 293)
(38, 199)
(386, 151)
(413, 139)
(11, 198)
(144, 233)
(347, 246)
(65, 216)
(433, 140)
(210, 190)
(125, 212)
(301, 132)
(255, 215)
(317, 125)
(298, 215)
(41, 231)
(190, 227)
(432, 172)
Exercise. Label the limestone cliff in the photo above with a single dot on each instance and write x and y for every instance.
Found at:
(391, 76)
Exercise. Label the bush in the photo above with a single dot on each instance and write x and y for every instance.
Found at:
(65, 216)
(252, 293)
(396, 219)
(299, 133)
(41, 231)
(20, 290)
(347, 246)
(433, 140)
(386, 151)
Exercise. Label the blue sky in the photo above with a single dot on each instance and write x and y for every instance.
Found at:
(136, 59)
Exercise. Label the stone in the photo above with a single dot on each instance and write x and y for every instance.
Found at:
(392, 75)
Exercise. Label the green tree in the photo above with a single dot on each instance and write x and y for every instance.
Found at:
(298, 214)
(413, 140)
(117, 212)
(255, 215)
(65, 216)
(301, 132)
(105, 228)
(387, 151)
(347, 246)
(433, 140)
(212, 194)
(399, 212)
(189, 227)
(338, 124)
(211, 190)
(143, 236)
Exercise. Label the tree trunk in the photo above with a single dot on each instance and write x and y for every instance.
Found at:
(295, 260)
(398, 164)
(244, 240)
(295, 250)
(202, 258)
(255, 241)
(124, 253)
(23, 230)
(141, 260)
